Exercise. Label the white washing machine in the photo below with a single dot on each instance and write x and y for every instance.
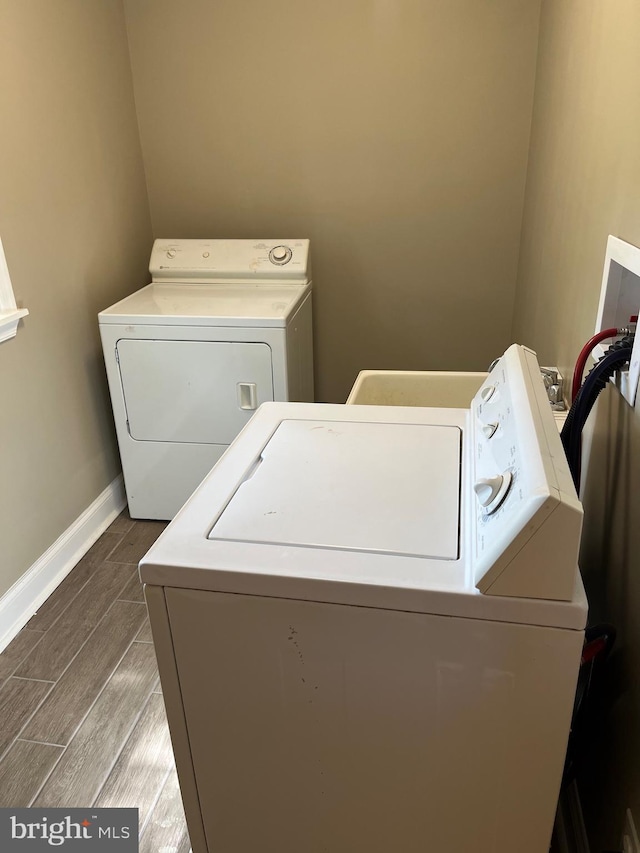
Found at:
(369, 623)
(224, 326)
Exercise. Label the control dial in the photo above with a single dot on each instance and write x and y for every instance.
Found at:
(280, 255)
(491, 491)
(487, 393)
(488, 430)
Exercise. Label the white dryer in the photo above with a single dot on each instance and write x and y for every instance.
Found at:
(369, 622)
(224, 326)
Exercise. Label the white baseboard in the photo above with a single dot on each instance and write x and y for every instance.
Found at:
(30, 591)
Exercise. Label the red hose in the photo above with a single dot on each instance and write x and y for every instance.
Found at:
(585, 352)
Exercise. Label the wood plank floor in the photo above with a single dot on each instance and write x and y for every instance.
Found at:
(82, 721)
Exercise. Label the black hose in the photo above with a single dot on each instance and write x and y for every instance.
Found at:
(593, 385)
(591, 389)
(616, 355)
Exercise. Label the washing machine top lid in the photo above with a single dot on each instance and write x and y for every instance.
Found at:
(371, 487)
(222, 304)
(375, 506)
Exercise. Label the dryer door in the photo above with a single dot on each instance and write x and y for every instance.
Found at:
(200, 392)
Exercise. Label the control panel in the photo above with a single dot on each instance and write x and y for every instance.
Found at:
(206, 261)
(496, 460)
(524, 503)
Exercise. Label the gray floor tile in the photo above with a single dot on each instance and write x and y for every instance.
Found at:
(59, 645)
(73, 695)
(166, 828)
(64, 594)
(123, 523)
(89, 758)
(133, 591)
(139, 774)
(75, 702)
(19, 698)
(16, 652)
(137, 541)
(144, 636)
(23, 770)
(145, 633)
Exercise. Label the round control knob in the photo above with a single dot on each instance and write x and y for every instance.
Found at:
(488, 430)
(171, 253)
(280, 255)
(486, 488)
(487, 392)
(491, 491)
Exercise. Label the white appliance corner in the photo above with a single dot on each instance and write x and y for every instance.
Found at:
(32, 589)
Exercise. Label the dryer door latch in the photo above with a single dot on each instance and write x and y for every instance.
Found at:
(247, 396)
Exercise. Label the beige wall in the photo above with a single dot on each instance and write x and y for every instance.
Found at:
(393, 133)
(75, 225)
(583, 184)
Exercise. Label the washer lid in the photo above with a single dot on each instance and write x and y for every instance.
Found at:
(375, 487)
(400, 478)
(239, 304)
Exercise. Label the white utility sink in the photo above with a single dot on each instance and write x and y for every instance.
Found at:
(434, 388)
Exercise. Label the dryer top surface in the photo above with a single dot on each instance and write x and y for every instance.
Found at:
(223, 304)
